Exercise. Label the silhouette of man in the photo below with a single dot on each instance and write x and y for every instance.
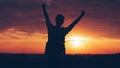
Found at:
(56, 34)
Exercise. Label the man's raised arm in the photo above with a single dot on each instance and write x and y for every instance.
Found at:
(75, 21)
(46, 14)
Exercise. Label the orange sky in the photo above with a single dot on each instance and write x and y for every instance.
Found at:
(36, 44)
(23, 29)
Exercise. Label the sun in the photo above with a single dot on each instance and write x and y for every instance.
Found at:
(76, 42)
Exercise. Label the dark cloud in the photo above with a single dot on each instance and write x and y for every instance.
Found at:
(102, 16)
(4, 25)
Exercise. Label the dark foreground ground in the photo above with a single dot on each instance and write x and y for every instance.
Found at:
(69, 61)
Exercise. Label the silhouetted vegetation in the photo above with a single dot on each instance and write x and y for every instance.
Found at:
(69, 61)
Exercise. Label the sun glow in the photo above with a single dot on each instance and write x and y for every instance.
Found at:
(76, 41)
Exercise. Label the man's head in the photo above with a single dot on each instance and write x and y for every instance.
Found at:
(59, 20)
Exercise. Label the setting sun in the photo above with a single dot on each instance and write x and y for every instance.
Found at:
(76, 41)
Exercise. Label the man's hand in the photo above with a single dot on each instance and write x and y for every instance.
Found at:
(82, 13)
(43, 5)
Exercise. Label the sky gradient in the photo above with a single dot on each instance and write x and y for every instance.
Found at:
(23, 29)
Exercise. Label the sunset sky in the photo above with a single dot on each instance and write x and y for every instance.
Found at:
(23, 28)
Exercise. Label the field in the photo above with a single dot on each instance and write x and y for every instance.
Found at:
(69, 61)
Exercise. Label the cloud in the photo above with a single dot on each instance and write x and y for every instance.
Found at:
(101, 20)
(13, 34)
(4, 25)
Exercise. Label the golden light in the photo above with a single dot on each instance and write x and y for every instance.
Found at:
(76, 41)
